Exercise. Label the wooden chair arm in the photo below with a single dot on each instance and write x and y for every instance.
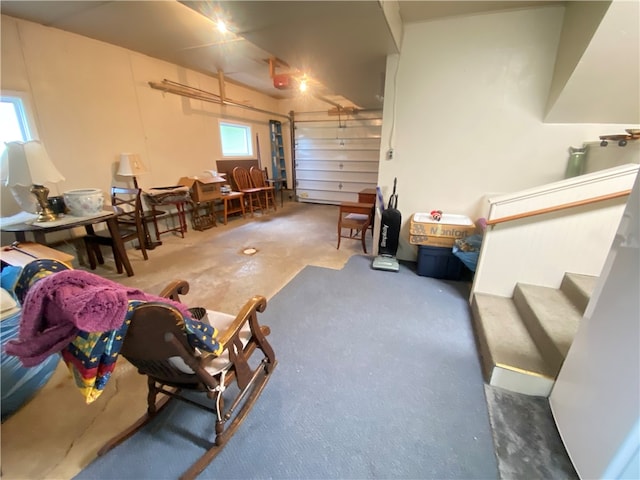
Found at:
(247, 313)
(231, 335)
(258, 303)
(231, 343)
(175, 289)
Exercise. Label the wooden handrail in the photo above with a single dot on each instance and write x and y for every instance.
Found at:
(557, 208)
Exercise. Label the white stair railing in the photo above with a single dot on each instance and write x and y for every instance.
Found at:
(536, 235)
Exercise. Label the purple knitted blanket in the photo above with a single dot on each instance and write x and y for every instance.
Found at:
(59, 305)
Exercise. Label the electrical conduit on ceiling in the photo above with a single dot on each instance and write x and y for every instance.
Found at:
(197, 94)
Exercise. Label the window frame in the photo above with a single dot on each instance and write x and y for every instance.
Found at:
(248, 138)
(24, 113)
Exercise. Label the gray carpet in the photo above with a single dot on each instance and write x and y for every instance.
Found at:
(378, 377)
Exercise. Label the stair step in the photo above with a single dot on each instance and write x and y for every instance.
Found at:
(551, 319)
(510, 357)
(579, 288)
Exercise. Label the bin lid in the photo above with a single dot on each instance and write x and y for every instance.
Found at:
(447, 218)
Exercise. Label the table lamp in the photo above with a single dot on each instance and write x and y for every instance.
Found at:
(130, 166)
(27, 164)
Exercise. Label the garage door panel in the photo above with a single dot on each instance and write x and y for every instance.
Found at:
(320, 165)
(338, 133)
(334, 198)
(338, 144)
(327, 176)
(345, 155)
(335, 158)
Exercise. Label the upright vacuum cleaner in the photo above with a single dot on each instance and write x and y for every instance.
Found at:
(389, 235)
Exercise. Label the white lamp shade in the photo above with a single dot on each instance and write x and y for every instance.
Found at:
(130, 165)
(26, 164)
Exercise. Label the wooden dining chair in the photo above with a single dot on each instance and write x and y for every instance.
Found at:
(251, 194)
(356, 217)
(258, 179)
(128, 205)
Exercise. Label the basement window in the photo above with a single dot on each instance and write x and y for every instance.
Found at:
(235, 139)
(16, 122)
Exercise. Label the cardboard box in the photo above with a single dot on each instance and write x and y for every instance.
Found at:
(203, 189)
(431, 241)
(450, 226)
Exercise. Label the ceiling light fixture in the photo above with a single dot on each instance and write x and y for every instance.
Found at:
(222, 27)
(303, 85)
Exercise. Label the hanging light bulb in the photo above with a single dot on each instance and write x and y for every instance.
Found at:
(222, 27)
(303, 85)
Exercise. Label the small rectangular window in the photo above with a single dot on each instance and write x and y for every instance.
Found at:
(236, 140)
(13, 124)
(16, 123)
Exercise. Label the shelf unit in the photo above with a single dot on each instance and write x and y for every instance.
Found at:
(278, 163)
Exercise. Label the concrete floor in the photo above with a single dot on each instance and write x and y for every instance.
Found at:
(55, 435)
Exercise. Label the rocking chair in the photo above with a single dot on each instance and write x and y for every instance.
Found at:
(157, 345)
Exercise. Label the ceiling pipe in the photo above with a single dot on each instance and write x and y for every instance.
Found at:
(176, 88)
(221, 85)
(197, 94)
(337, 105)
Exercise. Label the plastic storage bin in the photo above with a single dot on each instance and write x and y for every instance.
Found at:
(439, 262)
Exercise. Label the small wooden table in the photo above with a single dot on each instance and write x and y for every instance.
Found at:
(180, 228)
(177, 196)
(40, 230)
(367, 195)
(228, 204)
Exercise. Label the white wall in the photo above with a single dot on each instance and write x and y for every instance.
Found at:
(581, 20)
(591, 93)
(468, 114)
(596, 398)
(93, 101)
(600, 158)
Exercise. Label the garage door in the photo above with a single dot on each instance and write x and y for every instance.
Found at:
(335, 158)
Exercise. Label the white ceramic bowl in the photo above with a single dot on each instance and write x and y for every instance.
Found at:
(84, 202)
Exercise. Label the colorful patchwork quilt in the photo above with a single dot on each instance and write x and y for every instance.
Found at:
(85, 317)
(91, 357)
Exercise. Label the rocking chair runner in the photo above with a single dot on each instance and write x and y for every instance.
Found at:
(157, 345)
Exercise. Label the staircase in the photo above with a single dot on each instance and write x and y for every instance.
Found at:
(523, 340)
